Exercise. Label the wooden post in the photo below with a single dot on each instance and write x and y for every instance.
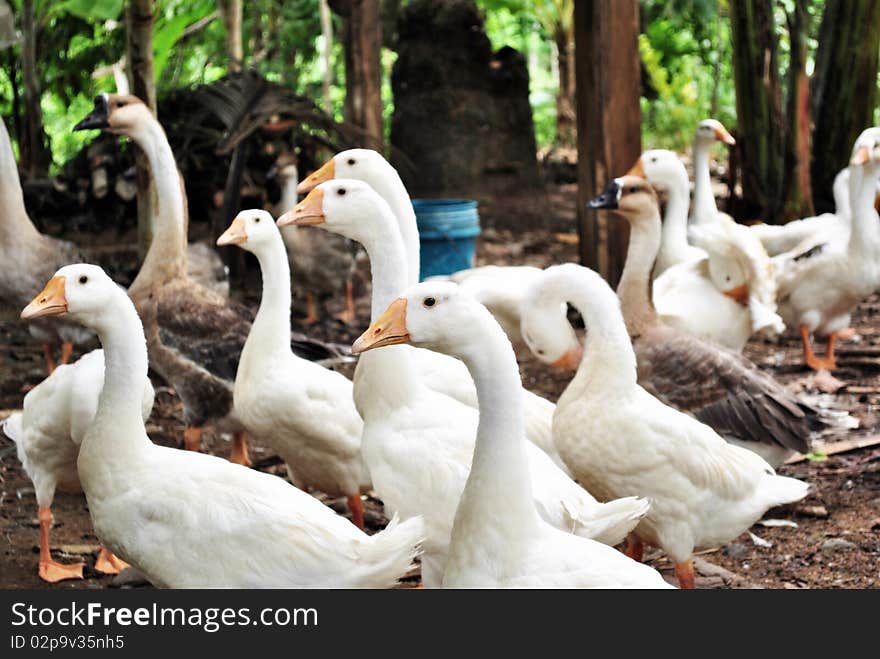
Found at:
(607, 72)
(232, 11)
(35, 155)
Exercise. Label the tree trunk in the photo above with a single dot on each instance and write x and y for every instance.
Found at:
(760, 124)
(35, 156)
(843, 89)
(798, 191)
(607, 69)
(139, 54)
(565, 112)
(232, 14)
(326, 60)
(363, 68)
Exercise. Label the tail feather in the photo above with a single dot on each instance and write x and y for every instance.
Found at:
(782, 489)
(609, 523)
(391, 552)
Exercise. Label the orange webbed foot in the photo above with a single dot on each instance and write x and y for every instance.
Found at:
(108, 562)
(53, 572)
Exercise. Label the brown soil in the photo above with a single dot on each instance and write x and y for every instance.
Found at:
(844, 503)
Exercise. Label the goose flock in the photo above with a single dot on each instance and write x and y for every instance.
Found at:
(666, 435)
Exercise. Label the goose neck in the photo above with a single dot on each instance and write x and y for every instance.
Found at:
(391, 188)
(865, 234)
(704, 210)
(269, 336)
(634, 289)
(15, 225)
(674, 244)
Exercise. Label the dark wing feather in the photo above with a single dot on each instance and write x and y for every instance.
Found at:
(723, 390)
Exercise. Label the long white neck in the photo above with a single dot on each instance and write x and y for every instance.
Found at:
(634, 289)
(391, 188)
(704, 210)
(15, 225)
(166, 258)
(864, 237)
(269, 337)
(118, 427)
(499, 473)
(385, 374)
(674, 245)
(609, 362)
(289, 195)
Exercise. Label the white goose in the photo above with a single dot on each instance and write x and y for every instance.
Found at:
(301, 409)
(189, 520)
(442, 373)
(619, 440)
(48, 434)
(488, 550)
(418, 442)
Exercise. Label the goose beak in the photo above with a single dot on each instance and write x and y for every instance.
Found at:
(388, 330)
(327, 172)
(740, 294)
(609, 198)
(722, 135)
(236, 234)
(571, 360)
(50, 302)
(309, 211)
(637, 170)
(862, 155)
(97, 118)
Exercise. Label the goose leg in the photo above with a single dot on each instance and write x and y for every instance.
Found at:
(311, 310)
(818, 363)
(192, 438)
(684, 572)
(66, 351)
(108, 562)
(50, 359)
(356, 506)
(50, 570)
(239, 453)
(635, 548)
(347, 315)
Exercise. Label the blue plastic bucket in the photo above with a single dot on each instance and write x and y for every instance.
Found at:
(448, 229)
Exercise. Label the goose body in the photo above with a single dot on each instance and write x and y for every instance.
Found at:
(186, 519)
(517, 549)
(418, 442)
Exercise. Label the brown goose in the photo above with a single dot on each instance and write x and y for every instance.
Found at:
(29, 258)
(194, 335)
(719, 387)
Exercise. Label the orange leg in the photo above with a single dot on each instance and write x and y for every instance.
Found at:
(50, 570)
(827, 362)
(684, 572)
(356, 506)
(347, 315)
(108, 562)
(50, 359)
(239, 453)
(66, 351)
(192, 438)
(635, 548)
(311, 310)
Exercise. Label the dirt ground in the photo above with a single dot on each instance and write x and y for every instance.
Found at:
(836, 540)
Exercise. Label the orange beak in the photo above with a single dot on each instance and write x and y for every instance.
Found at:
(861, 156)
(740, 294)
(571, 360)
(722, 135)
(50, 301)
(389, 329)
(236, 234)
(327, 172)
(309, 211)
(637, 170)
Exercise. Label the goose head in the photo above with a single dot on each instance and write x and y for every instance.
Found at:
(631, 196)
(360, 164)
(249, 230)
(284, 169)
(437, 315)
(348, 207)
(82, 290)
(120, 114)
(867, 147)
(661, 168)
(545, 328)
(712, 130)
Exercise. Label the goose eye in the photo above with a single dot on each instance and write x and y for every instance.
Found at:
(83, 279)
(540, 352)
(654, 159)
(633, 189)
(340, 191)
(256, 220)
(120, 104)
(351, 161)
(429, 302)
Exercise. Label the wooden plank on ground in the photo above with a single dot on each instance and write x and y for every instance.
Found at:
(843, 446)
